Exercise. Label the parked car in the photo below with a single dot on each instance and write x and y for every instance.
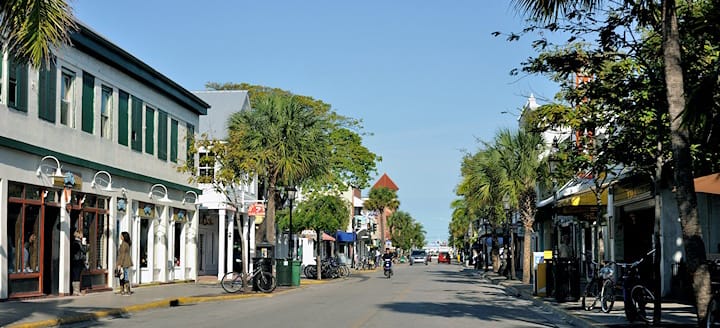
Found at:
(444, 257)
(418, 256)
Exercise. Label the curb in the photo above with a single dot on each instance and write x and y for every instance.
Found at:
(165, 303)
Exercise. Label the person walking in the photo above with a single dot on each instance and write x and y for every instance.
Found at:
(124, 261)
(77, 261)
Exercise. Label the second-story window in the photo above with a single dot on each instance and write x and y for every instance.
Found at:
(67, 105)
(207, 167)
(106, 109)
(17, 86)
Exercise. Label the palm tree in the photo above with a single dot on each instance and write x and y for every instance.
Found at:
(519, 159)
(31, 28)
(550, 10)
(381, 199)
(283, 142)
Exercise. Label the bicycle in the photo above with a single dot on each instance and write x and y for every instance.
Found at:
(639, 300)
(712, 318)
(600, 289)
(233, 282)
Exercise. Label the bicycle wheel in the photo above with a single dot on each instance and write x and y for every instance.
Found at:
(713, 313)
(644, 302)
(344, 271)
(231, 282)
(589, 296)
(266, 282)
(607, 296)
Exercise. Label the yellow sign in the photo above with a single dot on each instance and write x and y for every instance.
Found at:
(259, 219)
(541, 282)
(547, 255)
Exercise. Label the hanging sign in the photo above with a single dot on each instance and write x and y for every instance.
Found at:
(256, 210)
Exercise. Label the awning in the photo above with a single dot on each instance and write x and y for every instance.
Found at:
(345, 237)
(326, 237)
(709, 184)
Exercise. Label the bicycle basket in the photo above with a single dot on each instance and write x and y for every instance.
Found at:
(606, 272)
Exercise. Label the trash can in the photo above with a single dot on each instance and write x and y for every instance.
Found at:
(295, 273)
(283, 271)
(567, 280)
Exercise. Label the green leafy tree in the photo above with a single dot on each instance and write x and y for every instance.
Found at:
(461, 218)
(382, 199)
(31, 28)
(321, 213)
(405, 232)
(663, 20)
(520, 162)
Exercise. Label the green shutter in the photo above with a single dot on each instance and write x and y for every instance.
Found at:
(136, 128)
(149, 130)
(162, 135)
(47, 92)
(88, 103)
(123, 118)
(174, 141)
(189, 143)
(19, 72)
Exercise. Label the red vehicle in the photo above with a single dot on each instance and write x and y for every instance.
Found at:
(444, 257)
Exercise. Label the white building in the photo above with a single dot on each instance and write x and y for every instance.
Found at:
(92, 143)
(220, 242)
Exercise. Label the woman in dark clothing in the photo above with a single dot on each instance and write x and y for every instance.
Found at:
(124, 261)
(77, 261)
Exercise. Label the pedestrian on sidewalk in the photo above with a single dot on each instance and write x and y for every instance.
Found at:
(77, 263)
(124, 261)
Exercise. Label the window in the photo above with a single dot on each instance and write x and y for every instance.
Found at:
(67, 110)
(174, 140)
(136, 128)
(162, 135)
(123, 100)
(17, 86)
(206, 173)
(24, 238)
(149, 130)
(106, 109)
(88, 103)
(47, 93)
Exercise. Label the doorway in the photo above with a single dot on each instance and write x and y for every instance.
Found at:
(51, 251)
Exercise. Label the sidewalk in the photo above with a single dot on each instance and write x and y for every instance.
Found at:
(673, 314)
(53, 311)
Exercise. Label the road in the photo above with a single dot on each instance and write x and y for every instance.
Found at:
(436, 295)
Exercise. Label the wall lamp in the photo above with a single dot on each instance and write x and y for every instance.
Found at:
(108, 187)
(195, 202)
(165, 198)
(58, 171)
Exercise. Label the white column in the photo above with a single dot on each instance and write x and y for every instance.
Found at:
(251, 241)
(191, 240)
(245, 243)
(611, 223)
(112, 244)
(161, 244)
(135, 226)
(222, 223)
(3, 240)
(230, 221)
(64, 274)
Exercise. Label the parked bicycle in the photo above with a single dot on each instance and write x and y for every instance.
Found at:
(233, 282)
(639, 301)
(600, 289)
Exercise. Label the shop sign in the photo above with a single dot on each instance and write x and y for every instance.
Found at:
(146, 210)
(256, 210)
(180, 215)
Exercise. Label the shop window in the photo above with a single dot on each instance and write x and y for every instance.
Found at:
(23, 227)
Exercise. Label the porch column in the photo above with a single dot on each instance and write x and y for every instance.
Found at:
(3, 240)
(192, 246)
(112, 242)
(611, 221)
(222, 237)
(161, 243)
(230, 241)
(137, 270)
(64, 274)
(251, 241)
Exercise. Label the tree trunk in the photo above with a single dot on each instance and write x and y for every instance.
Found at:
(527, 252)
(679, 137)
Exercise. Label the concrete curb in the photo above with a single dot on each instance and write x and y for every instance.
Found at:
(165, 303)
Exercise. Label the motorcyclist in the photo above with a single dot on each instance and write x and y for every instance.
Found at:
(387, 255)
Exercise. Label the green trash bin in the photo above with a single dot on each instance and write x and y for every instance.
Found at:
(295, 272)
(282, 269)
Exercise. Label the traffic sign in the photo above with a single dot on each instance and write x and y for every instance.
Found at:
(256, 210)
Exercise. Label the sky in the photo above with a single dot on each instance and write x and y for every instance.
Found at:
(427, 78)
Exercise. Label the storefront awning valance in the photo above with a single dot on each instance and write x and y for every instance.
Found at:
(345, 237)
(326, 237)
(709, 184)
(585, 198)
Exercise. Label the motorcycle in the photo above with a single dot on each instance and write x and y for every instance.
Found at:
(387, 268)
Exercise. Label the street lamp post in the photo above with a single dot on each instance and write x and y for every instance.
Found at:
(486, 224)
(291, 193)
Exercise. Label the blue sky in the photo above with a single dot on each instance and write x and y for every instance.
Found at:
(427, 77)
